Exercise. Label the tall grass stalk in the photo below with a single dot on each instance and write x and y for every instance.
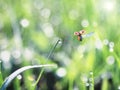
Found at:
(8, 80)
(1, 78)
(91, 81)
(51, 52)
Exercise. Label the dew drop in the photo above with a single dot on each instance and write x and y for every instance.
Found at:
(110, 60)
(111, 44)
(105, 42)
(19, 77)
(61, 72)
(24, 23)
(85, 23)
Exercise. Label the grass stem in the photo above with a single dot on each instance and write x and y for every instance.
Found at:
(91, 81)
(51, 52)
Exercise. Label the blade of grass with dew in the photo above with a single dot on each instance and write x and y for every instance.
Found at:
(53, 48)
(51, 52)
(91, 81)
(17, 72)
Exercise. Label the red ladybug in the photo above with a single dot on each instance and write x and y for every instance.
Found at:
(79, 34)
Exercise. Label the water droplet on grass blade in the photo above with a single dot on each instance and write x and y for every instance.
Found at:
(24, 23)
(105, 42)
(61, 72)
(110, 60)
(60, 41)
(111, 44)
(19, 77)
(84, 78)
(85, 23)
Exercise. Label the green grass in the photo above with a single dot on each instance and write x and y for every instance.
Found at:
(29, 29)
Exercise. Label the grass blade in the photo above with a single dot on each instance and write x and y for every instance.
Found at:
(51, 52)
(1, 77)
(17, 72)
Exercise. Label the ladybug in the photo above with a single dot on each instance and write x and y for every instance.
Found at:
(79, 34)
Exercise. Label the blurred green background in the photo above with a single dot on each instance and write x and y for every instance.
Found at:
(30, 28)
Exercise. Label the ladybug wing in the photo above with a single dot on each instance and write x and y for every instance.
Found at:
(82, 32)
(88, 35)
(76, 33)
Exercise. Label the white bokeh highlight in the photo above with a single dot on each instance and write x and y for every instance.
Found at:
(61, 72)
(24, 23)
